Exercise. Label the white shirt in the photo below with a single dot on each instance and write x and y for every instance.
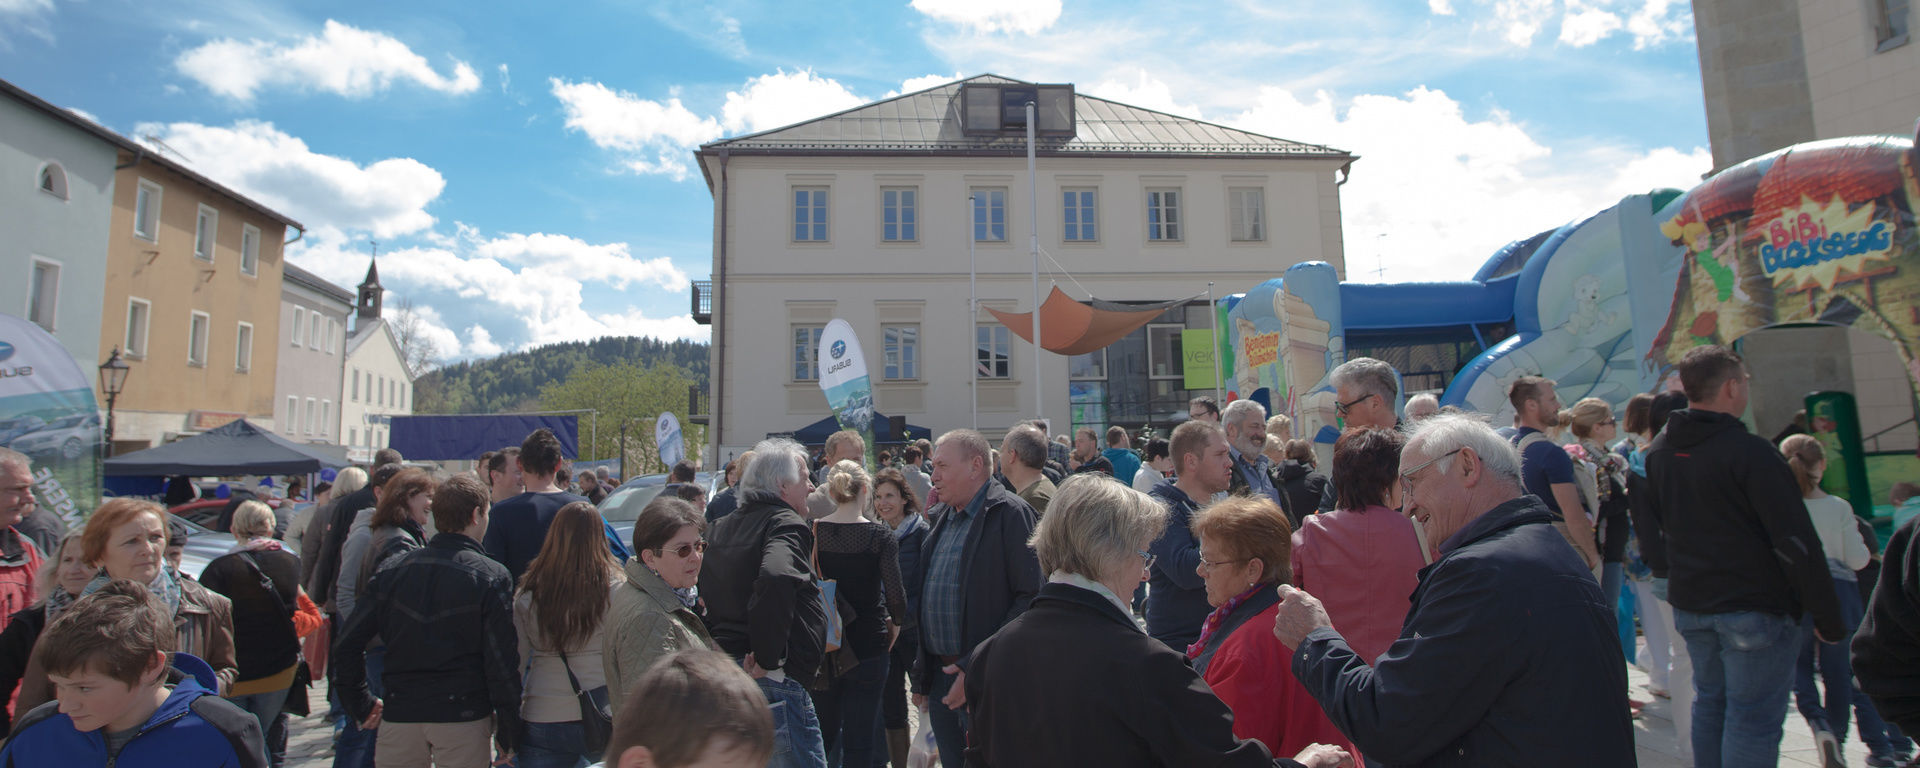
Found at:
(1840, 537)
(1145, 479)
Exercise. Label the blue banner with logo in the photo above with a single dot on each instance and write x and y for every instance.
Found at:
(47, 412)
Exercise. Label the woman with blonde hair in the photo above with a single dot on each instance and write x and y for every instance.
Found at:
(862, 558)
(1603, 488)
(1847, 552)
(60, 581)
(559, 613)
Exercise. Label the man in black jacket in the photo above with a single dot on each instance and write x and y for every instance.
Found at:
(1744, 563)
(332, 528)
(1888, 643)
(453, 661)
(980, 574)
(763, 606)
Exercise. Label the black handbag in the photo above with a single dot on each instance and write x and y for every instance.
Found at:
(596, 713)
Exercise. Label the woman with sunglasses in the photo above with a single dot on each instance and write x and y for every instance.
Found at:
(653, 607)
(559, 614)
(1594, 429)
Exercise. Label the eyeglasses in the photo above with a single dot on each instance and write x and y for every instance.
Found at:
(1146, 557)
(1406, 478)
(1212, 564)
(1347, 406)
(1607, 423)
(686, 550)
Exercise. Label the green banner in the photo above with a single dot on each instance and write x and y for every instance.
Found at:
(1197, 351)
(1835, 422)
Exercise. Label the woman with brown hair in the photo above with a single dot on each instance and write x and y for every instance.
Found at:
(899, 509)
(652, 610)
(559, 613)
(1362, 559)
(397, 525)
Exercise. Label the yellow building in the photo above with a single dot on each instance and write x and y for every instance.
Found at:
(192, 301)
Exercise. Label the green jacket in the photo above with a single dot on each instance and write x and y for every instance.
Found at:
(645, 623)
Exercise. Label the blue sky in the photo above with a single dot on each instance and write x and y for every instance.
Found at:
(527, 168)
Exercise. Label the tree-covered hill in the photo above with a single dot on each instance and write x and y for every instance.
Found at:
(512, 382)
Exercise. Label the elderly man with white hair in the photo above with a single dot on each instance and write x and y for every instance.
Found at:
(1422, 406)
(1508, 655)
(1245, 422)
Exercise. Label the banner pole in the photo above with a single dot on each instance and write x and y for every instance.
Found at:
(1213, 314)
(1033, 247)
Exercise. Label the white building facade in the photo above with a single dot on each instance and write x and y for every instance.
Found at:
(868, 216)
(313, 340)
(378, 385)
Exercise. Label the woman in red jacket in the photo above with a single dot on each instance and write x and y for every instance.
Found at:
(1245, 547)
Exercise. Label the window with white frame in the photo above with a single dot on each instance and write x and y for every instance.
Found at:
(1078, 214)
(146, 211)
(243, 348)
(992, 358)
(380, 390)
(299, 325)
(1249, 216)
(293, 415)
(1163, 351)
(326, 417)
(53, 180)
(355, 396)
(1163, 214)
(1889, 19)
(902, 349)
(139, 314)
(393, 392)
(989, 214)
(315, 329)
(806, 351)
(250, 249)
(810, 214)
(205, 226)
(1091, 366)
(406, 397)
(899, 214)
(333, 336)
(43, 293)
(311, 404)
(197, 328)
(353, 435)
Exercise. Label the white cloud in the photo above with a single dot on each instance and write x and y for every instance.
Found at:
(924, 82)
(34, 17)
(784, 98)
(1585, 25)
(1440, 7)
(506, 78)
(1022, 16)
(1660, 21)
(343, 60)
(1437, 192)
(1520, 20)
(655, 136)
(432, 328)
(480, 342)
(388, 197)
(1143, 90)
(705, 23)
(609, 262)
(85, 115)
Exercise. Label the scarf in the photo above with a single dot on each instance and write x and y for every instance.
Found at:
(255, 545)
(1215, 619)
(165, 586)
(57, 603)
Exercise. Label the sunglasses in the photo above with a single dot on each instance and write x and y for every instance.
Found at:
(686, 550)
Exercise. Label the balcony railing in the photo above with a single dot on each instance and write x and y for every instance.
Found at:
(703, 302)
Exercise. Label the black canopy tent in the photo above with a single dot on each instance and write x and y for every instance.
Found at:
(817, 432)
(237, 448)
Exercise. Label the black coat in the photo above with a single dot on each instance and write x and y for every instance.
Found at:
(1108, 696)
(1301, 487)
(330, 528)
(263, 636)
(1886, 650)
(16, 644)
(1508, 657)
(758, 584)
(999, 573)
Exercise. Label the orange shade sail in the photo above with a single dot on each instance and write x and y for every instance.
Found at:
(1070, 327)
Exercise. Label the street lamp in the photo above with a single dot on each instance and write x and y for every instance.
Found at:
(113, 379)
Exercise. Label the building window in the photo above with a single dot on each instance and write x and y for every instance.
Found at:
(1091, 366)
(1890, 22)
(393, 392)
(355, 397)
(369, 386)
(138, 312)
(314, 331)
(197, 339)
(146, 211)
(1163, 351)
(353, 435)
(326, 417)
(1249, 219)
(1163, 214)
(380, 390)
(293, 415)
(299, 324)
(250, 249)
(43, 293)
(989, 214)
(333, 336)
(992, 357)
(243, 348)
(53, 180)
(902, 344)
(900, 214)
(806, 350)
(204, 228)
(809, 214)
(310, 407)
(1077, 214)
(406, 397)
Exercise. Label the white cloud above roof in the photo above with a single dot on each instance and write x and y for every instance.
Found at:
(1010, 16)
(342, 60)
(784, 98)
(653, 136)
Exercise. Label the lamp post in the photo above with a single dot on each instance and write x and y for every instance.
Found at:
(113, 379)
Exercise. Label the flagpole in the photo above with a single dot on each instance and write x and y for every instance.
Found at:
(973, 316)
(1213, 314)
(1033, 248)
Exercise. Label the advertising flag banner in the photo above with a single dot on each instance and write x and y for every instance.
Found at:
(843, 376)
(666, 436)
(47, 412)
(1196, 347)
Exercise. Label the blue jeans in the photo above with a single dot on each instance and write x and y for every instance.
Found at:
(1836, 671)
(849, 710)
(796, 731)
(555, 745)
(264, 707)
(353, 748)
(1742, 669)
(949, 726)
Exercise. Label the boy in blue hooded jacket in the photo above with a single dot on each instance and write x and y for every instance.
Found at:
(124, 700)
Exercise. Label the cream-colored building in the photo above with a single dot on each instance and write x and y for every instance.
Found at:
(867, 215)
(378, 383)
(192, 300)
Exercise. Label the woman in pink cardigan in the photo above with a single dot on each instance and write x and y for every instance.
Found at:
(1363, 559)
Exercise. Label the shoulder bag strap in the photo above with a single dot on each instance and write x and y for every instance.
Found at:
(571, 680)
(814, 558)
(266, 583)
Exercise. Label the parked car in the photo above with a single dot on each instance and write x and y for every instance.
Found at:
(69, 436)
(623, 505)
(203, 546)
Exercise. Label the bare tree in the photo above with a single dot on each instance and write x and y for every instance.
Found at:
(418, 352)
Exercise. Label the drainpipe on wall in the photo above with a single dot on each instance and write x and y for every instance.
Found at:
(719, 340)
(296, 238)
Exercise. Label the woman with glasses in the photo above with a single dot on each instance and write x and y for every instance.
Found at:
(862, 558)
(559, 614)
(1363, 558)
(1594, 429)
(652, 614)
(1074, 681)
(1245, 545)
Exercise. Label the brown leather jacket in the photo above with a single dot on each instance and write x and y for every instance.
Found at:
(204, 627)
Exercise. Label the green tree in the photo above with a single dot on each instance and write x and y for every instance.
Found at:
(625, 393)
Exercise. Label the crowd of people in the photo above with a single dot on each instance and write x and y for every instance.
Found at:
(1442, 593)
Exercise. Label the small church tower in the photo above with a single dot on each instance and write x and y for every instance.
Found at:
(370, 295)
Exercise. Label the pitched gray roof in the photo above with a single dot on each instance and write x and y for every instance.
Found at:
(295, 274)
(929, 122)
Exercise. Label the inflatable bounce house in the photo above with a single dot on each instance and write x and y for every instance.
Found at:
(1817, 233)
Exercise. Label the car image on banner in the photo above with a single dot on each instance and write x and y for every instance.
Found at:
(47, 411)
